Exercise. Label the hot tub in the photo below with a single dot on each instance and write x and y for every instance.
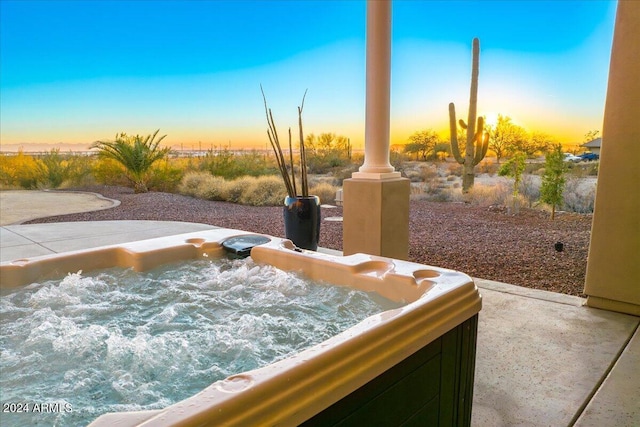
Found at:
(408, 366)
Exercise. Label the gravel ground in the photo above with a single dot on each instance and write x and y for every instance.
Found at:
(483, 242)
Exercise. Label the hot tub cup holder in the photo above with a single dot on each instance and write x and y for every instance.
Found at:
(206, 248)
(235, 383)
(425, 274)
(289, 245)
(197, 242)
(377, 268)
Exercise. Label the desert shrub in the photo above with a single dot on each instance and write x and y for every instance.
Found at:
(533, 168)
(327, 151)
(325, 164)
(221, 163)
(314, 180)
(19, 170)
(443, 150)
(187, 164)
(583, 169)
(398, 160)
(230, 165)
(164, 176)
(433, 191)
(514, 167)
(264, 191)
(414, 170)
(413, 175)
(436, 186)
(415, 189)
(203, 185)
(214, 188)
(576, 170)
(326, 192)
(340, 174)
(255, 163)
(109, 172)
(515, 201)
(579, 196)
(453, 169)
(487, 166)
(52, 169)
(237, 187)
(489, 195)
(539, 171)
(442, 195)
(55, 170)
(79, 172)
(530, 188)
(190, 183)
(428, 172)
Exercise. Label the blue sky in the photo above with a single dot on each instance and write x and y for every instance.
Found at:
(80, 71)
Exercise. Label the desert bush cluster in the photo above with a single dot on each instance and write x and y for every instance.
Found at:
(250, 177)
(247, 190)
(247, 177)
(49, 170)
(439, 182)
(579, 195)
(230, 165)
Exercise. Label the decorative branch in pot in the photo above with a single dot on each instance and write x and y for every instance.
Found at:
(301, 211)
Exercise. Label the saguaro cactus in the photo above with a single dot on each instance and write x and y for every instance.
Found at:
(477, 139)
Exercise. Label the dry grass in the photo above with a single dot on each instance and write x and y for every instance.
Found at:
(263, 191)
(253, 191)
(326, 192)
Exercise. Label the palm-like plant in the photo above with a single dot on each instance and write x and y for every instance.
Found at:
(136, 154)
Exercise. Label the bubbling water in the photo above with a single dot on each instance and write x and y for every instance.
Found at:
(118, 340)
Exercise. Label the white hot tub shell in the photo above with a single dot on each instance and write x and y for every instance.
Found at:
(384, 360)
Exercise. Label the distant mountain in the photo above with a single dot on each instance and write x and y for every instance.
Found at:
(38, 147)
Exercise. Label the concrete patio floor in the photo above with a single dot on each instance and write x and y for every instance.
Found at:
(543, 359)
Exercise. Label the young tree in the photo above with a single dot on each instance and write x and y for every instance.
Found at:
(553, 179)
(514, 167)
(532, 144)
(506, 136)
(539, 142)
(422, 143)
(136, 154)
(591, 135)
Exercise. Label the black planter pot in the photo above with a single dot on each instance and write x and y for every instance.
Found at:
(302, 221)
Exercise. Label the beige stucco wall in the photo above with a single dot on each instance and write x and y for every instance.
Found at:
(376, 217)
(613, 267)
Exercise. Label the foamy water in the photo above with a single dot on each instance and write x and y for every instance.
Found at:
(118, 340)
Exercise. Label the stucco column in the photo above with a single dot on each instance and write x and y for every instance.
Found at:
(613, 266)
(376, 198)
(378, 85)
